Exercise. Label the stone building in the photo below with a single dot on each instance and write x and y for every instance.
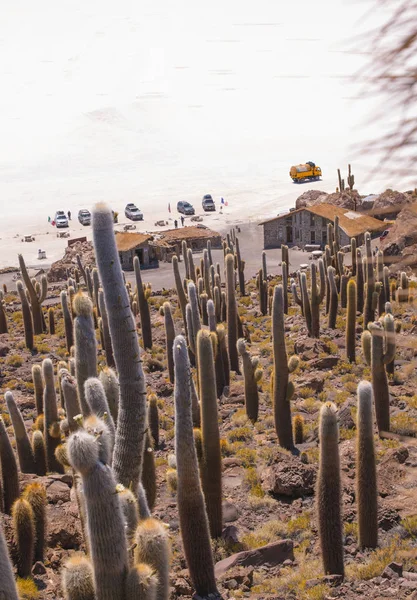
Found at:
(130, 245)
(168, 242)
(308, 225)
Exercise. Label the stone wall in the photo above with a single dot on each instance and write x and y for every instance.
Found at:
(298, 229)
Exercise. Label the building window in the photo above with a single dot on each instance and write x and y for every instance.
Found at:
(313, 237)
(311, 219)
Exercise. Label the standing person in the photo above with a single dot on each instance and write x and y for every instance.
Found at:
(182, 220)
(49, 219)
(69, 215)
(176, 224)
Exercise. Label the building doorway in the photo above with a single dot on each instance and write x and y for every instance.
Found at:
(289, 234)
(139, 254)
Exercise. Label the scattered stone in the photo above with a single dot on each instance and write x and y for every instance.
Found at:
(182, 587)
(269, 555)
(230, 534)
(38, 568)
(327, 362)
(230, 512)
(289, 477)
(310, 348)
(4, 349)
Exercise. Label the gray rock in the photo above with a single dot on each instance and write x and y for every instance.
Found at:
(289, 477)
(270, 555)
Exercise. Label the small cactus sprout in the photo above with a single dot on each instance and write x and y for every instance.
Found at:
(78, 579)
(141, 582)
(298, 429)
(153, 548)
(366, 483)
(24, 532)
(251, 375)
(329, 493)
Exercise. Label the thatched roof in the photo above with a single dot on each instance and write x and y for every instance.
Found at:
(128, 241)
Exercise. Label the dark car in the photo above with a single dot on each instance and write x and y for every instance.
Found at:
(84, 217)
(185, 208)
(384, 235)
(208, 203)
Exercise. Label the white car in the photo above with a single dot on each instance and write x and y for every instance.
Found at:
(61, 219)
(133, 213)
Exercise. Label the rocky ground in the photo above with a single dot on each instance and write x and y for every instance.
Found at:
(269, 547)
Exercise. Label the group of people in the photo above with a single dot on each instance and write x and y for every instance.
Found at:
(176, 222)
(52, 222)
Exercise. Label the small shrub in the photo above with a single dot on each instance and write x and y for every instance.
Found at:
(240, 434)
(410, 525)
(305, 392)
(27, 589)
(251, 480)
(14, 360)
(247, 456)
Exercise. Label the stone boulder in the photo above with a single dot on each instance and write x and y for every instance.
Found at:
(309, 198)
(270, 555)
(289, 477)
(401, 242)
(388, 204)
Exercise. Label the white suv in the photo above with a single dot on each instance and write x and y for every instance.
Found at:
(61, 219)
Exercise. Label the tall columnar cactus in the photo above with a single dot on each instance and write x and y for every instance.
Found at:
(262, 286)
(51, 321)
(306, 303)
(231, 314)
(106, 331)
(149, 472)
(380, 278)
(353, 249)
(381, 338)
(27, 316)
(130, 509)
(211, 465)
(284, 271)
(351, 321)
(336, 235)
(38, 388)
(3, 318)
(145, 315)
(8, 470)
(206, 273)
(105, 524)
(359, 282)
(222, 361)
(333, 298)
(72, 405)
(85, 346)
(36, 294)
(224, 307)
(78, 579)
(24, 448)
(282, 388)
(285, 255)
(344, 280)
(152, 548)
(8, 589)
(110, 384)
(193, 276)
(385, 280)
(240, 269)
(211, 314)
(169, 336)
(203, 305)
(96, 288)
(182, 298)
(264, 269)
(68, 325)
(317, 295)
(50, 407)
(35, 494)
(153, 418)
(97, 401)
(328, 493)
(81, 268)
(350, 178)
(184, 251)
(39, 452)
(89, 282)
(131, 422)
(252, 375)
(24, 533)
(194, 525)
(366, 482)
(402, 291)
(369, 311)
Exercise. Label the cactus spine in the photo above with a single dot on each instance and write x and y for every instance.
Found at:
(211, 465)
(170, 336)
(366, 482)
(35, 494)
(191, 507)
(24, 532)
(145, 315)
(77, 579)
(131, 422)
(8, 470)
(106, 532)
(24, 449)
(231, 314)
(281, 387)
(351, 321)
(251, 375)
(27, 316)
(328, 493)
(8, 589)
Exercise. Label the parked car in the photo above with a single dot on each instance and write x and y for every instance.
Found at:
(208, 203)
(61, 219)
(185, 208)
(84, 217)
(384, 235)
(133, 213)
